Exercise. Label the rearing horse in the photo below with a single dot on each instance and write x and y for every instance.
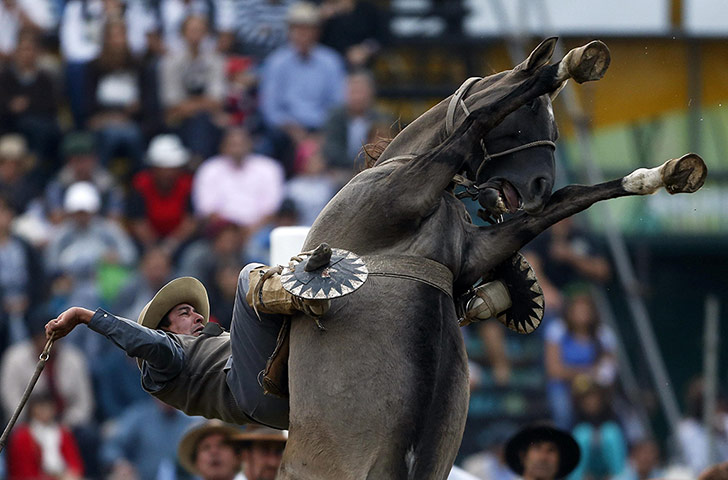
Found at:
(382, 393)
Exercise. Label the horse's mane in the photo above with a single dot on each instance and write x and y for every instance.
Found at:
(371, 152)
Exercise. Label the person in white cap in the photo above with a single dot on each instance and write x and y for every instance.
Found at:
(159, 205)
(84, 241)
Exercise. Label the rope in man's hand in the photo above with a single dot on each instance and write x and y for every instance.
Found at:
(42, 359)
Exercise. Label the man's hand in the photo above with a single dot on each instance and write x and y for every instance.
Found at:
(67, 321)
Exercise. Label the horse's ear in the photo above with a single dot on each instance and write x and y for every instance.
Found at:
(541, 54)
(555, 93)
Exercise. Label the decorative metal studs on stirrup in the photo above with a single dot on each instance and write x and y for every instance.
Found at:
(527, 307)
(342, 275)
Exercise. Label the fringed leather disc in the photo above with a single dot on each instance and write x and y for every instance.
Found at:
(527, 307)
(344, 274)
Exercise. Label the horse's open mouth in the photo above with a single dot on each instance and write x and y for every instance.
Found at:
(500, 198)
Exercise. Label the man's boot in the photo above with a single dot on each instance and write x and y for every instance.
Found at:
(267, 295)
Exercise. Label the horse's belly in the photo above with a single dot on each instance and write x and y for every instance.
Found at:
(387, 379)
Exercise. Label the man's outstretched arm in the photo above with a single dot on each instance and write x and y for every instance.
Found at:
(164, 358)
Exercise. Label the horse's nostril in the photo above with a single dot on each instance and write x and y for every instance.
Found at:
(540, 186)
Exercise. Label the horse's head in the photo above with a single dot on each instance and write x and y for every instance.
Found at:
(513, 165)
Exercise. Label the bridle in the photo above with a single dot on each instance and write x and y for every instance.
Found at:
(472, 189)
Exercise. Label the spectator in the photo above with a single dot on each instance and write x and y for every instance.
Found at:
(258, 246)
(29, 101)
(16, 182)
(602, 443)
(114, 93)
(300, 83)
(312, 188)
(262, 450)
(222, 240)
(71, 392)
(208, 451)
(241, 100)
(79, 150)
(42, 448)
(578, 345)
(84, 243)
(541, 452)
(154, 271)
(239, 185)
(20, 277)
(160, 207)
(192, 86)
(222, 290)
(354, 28)
(258, 27)
(16, 15)
(171, 15)
(644, 462)
(490, 464)
(348, 127)
(143, 442)
(692, 437)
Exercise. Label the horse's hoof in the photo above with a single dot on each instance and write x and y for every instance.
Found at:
(588, 63)
(685, 174)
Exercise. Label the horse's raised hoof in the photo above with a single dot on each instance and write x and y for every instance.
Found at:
(588, 63)
(685, 174)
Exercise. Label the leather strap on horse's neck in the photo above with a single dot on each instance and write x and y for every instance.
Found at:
(410, 267)
(457, 98)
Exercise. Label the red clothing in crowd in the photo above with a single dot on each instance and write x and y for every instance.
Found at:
(24, 456)
(164, 210)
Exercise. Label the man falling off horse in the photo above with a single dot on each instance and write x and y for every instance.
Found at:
(196, 366)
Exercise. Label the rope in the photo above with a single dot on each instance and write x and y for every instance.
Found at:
(42, 359)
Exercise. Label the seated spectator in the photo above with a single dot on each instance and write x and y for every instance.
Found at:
(29, 101)
(239, 186)
(71, 392)
(159, 206)
(258, 26)
(600, 438)
(644, 462)
(80, 35)
(79, 150)
(300, 83)
(114, 94)
(222, 290)
(154, 271)
(221, 240)
(348, 127)
(84, 243)
(16, 181)
(42, 447)
(578, 345)
(20, 278)
(16, 15)
(171, 15)
(192, 86)
(241, 99)
(692, 438)
(354, 28)
(143, 442)
(261, 451)
(208, 451)
(312, 188)
(258, 246)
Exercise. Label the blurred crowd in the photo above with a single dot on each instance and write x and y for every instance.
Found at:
(142, 140)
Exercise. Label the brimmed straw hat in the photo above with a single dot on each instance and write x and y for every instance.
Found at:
(569, 453)
(180, 290)
(259, 433)
(187, 449)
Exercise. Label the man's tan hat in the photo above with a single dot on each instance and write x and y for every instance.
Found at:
(187, 449)
(259, 433)
(180, 290)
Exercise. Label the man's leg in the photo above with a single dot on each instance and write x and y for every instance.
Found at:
(253, 341)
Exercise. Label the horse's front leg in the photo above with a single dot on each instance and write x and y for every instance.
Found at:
(422, 180)
(489, 246)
